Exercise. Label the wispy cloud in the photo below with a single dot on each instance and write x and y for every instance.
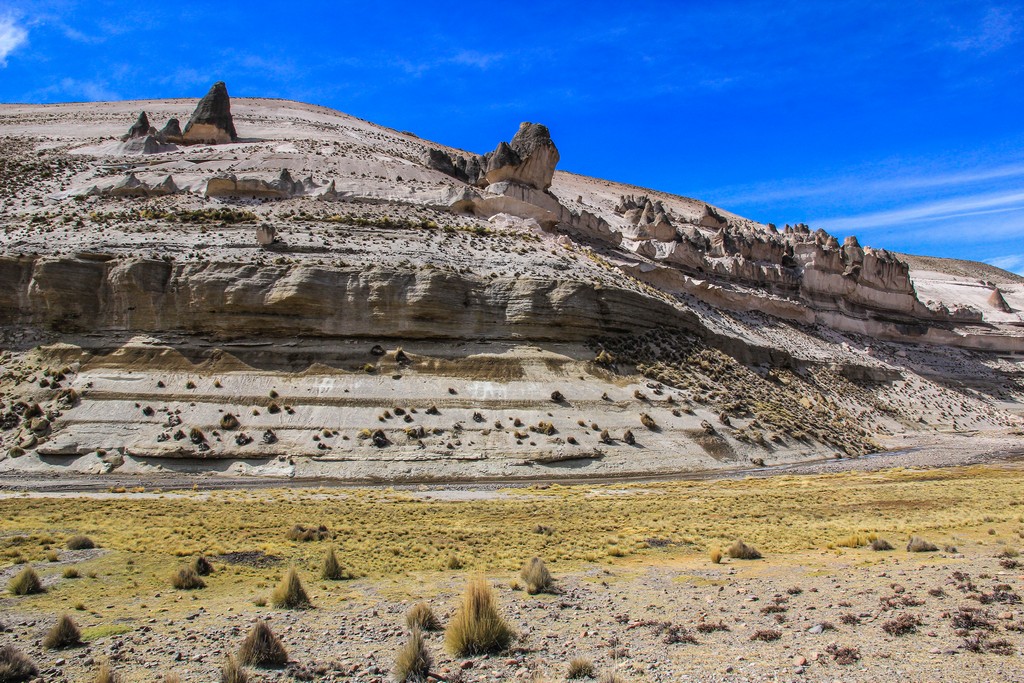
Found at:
(940, 210)
(79, 89)
(12, 36)
(998, 29)
(1011, 262)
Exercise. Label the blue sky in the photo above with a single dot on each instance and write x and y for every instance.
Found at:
(900, 122)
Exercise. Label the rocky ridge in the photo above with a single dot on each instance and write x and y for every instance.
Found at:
(489, 283)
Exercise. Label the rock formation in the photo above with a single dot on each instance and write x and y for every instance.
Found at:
(139, 129)
(228, 185)
(171, 132)
(211, 122)
(648, 219)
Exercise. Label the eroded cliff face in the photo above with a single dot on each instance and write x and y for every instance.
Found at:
(231, 300)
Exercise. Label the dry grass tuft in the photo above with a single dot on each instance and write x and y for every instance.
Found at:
(63, 634)
(881, 545)
(741, 551)
(413, 661)
(26, 582)
(202, 566)
(580, 667)
(766, 635)
(289, 593)
(902, 625)
(716, 555)
(421, 617)
(262, 648)
(105, 674)
(536, 576)
(187, 579)
(80, 542)
(478, 627)
(332, 569)
(916, 544)
(232, 671)
(15, 666)
(302, 533)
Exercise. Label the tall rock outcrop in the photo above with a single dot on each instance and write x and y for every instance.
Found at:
(139, 129)
(211, 121)
(529, 159)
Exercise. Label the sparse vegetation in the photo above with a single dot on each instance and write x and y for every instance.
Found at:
(536, 576)
(262, 648)
(105, 673)
(25, 582)
(16, 666)
(902, 625)
(80, 542)
(421, 616)
(741, 551)
(916, 544)
(187, 579)
(477, 627)
(580, 667)
(63, 634)
(289, 593)
(414, 660)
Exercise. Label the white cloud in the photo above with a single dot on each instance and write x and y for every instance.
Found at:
(944, 209)
(998, 29)
(1012, 262)
(12, 37)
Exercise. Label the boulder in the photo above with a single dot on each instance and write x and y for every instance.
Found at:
(265, 235)
(998, 302)
(211, 122)
(229, 185)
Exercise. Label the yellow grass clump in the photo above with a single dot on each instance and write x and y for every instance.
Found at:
(477, 627)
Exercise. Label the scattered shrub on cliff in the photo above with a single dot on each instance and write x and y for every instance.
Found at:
(544, 428)
(766, 635)
(228, 422)
(902, 625)
(648, 421)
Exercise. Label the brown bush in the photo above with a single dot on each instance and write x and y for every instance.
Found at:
(15, 666)
(477, 627)
(63, 634)
(262, 648)
(741, 551)
(413, 661)
(289, 593)
(536, 576)
(421, 617)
